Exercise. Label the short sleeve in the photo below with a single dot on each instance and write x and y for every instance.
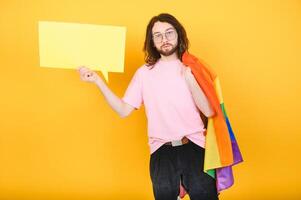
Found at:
(133, 94)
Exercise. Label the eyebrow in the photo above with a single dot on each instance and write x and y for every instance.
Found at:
(165, 30)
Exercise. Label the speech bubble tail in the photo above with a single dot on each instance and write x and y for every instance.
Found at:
(105, 75)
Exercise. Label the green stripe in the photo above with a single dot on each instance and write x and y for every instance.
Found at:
(223, 109)
(211, 172)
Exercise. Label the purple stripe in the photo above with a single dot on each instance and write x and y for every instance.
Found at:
(236, 153)
(224, 175)
(224, 178)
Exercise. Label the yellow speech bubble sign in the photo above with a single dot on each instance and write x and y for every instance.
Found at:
(69, 45)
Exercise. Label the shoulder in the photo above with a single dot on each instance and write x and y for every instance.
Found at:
(143, 69)
(140, 72)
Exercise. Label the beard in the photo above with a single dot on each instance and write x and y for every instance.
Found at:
(167, 52)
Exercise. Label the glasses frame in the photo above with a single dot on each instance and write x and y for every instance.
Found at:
(162, 35)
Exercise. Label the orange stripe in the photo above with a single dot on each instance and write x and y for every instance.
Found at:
(205, 78)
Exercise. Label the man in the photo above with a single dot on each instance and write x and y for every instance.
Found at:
(174, 104)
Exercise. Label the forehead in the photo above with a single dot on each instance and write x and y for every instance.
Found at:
(161, 27)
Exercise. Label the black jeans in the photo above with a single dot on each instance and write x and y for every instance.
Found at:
(169, 165)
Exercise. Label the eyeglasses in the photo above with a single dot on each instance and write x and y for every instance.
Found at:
(169, 35)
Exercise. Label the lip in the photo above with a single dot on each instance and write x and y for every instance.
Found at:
(165, 46)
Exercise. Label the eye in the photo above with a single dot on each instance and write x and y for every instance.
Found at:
(169, 32)
(157, 36)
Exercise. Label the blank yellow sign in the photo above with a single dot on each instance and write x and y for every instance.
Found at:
(69, 45)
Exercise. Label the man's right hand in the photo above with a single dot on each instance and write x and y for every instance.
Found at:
(123, 109)
(88, 75)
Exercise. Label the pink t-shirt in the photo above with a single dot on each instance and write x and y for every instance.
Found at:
(170, 109)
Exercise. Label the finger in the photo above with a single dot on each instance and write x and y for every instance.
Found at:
(188, 70)
(83, 75)
(80, 68)
(83, 69)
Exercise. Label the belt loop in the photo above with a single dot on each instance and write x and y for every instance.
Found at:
(176, 143)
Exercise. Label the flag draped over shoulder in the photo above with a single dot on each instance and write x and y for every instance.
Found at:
(221, 148)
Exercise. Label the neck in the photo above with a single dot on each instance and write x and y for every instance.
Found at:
(170, 57)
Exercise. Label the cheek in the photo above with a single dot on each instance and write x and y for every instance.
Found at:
(157, 45)
(154, 44)
(174, 43)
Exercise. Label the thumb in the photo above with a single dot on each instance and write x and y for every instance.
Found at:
(188, 69)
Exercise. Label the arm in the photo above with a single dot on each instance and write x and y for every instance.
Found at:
(121, 108)
(198, 95)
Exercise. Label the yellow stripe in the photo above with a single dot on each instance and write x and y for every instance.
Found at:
(218, 90)
(212, 158)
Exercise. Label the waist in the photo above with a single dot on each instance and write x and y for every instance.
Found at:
(184, 140)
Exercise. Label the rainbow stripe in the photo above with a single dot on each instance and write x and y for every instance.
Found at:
(221, 149)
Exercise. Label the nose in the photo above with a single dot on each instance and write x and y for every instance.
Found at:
(164, 39)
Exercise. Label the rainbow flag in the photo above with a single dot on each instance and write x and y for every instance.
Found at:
(221, 148)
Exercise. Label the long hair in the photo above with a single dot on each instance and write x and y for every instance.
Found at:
(150, 51)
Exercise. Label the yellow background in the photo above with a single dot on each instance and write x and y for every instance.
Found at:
(59, 139)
